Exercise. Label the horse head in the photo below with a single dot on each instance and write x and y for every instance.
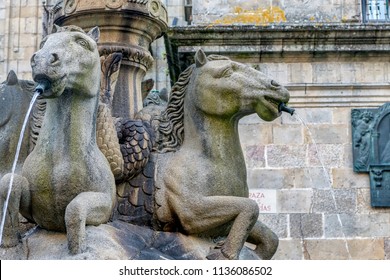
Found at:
(54, 64)
(231, 89)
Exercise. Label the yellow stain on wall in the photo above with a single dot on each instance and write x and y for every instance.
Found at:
(253, 17)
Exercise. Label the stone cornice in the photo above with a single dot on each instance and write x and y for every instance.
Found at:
(286, 38)
(367, 95)
(296, 43)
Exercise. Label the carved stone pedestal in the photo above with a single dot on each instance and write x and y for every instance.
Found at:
(126, 26)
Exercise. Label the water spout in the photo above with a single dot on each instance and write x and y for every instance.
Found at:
(41, 87)
(284, 108)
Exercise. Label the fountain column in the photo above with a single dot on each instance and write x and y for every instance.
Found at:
(126, 26)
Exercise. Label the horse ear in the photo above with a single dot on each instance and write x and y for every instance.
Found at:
(12, 78)
(200, 58)
(55, 28)
(94, 33)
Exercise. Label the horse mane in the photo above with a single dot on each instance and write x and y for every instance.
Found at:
(170, 130)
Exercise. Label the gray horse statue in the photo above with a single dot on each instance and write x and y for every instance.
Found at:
(66, 182)
(195, 181)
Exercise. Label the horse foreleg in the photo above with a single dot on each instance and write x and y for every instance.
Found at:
(265, 239)
(209, 213)
(19, 193)
(87, 208)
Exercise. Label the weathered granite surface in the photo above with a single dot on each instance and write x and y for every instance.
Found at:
(114, 241)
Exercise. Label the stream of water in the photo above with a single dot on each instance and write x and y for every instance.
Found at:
(329, 180)
(26, 119)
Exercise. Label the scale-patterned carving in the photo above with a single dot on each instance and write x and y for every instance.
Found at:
(135, 198)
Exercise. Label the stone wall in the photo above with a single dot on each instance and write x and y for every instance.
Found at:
(20, 30)
(319, 207)
(207, 12)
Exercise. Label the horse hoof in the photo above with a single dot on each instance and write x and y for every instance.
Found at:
(10, 242)
(216, 254)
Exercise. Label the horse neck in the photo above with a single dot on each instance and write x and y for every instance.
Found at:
(217, 137)
(69, 121)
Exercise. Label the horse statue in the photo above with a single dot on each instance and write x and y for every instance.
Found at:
(198, 174)
(15, 97)
(66, 182)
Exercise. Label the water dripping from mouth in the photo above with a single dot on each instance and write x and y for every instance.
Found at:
(41, 87)
(328, 179)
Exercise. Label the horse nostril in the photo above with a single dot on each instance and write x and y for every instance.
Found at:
(32, 60)
(275, 83)
(53, 58)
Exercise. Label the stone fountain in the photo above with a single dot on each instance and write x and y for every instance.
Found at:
(177, 169)
(127, 27)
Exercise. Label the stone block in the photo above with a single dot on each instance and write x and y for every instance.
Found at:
(254, 156)
(322, 249)
(347, 156)
(27, 40)
(2, 15)
(387, 248)
(270, 178)
(30, 25)
(276, 222)
(363, 201)
(339, 249)
(289, 249)
(255, 134)
(342, 116)
(251, 119)
(347, 178)
(345, 200)
(29, 11)
(377, 72)
(328, 155)
(327, 134)
(285, 156)
(362, 225)
(300, 73)
(306, 226)
(295, 201)
(311, 177)
(316, 115)
(334, 201)
(326, 72)
(287, 134)
(367, 249)
(334, 227)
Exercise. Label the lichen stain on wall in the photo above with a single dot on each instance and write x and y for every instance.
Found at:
(260, 16)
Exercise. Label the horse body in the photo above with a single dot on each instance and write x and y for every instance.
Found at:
(201, 187)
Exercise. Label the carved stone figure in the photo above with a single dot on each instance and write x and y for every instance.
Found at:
(200, 174)
(371, 150)
(66, 182)
(107, 138)
(362, 123)
(15, 96)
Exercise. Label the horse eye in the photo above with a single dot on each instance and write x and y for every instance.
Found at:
(83, 43)
(227, 72)
(42, 44)
(275, 83)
